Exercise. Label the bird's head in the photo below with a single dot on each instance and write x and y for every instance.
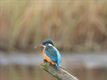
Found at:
(47, 42)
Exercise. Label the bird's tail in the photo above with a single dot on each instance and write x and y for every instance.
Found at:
(58, 66)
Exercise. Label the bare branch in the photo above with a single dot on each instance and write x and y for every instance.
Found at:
(60, 74)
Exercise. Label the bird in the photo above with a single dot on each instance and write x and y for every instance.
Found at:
(50, 53)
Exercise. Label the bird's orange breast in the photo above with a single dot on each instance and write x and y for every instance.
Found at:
(46, 57)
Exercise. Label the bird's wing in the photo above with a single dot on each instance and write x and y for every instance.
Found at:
(52, 53)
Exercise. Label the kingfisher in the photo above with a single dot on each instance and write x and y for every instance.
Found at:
(50, 53)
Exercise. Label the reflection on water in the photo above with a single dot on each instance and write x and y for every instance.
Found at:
(16, 72)
(27, 67)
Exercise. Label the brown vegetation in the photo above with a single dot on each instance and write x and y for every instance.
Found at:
(78, 25)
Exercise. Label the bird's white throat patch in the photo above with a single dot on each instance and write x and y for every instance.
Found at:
(49, 44)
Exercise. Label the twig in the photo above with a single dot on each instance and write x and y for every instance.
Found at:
(60, 74)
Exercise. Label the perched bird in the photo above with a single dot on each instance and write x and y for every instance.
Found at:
(50, 53)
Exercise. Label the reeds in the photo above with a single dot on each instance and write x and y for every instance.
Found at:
(78, 25)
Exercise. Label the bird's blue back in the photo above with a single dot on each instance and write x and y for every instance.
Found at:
(54, 54)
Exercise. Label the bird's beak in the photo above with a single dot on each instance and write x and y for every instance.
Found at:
(39, 46)
(42, 46)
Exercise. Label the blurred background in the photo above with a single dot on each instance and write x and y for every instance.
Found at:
(78, 28)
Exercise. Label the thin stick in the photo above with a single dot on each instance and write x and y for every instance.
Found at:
(60, 74)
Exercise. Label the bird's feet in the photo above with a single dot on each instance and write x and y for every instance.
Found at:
(50, 63)
(45, 61)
